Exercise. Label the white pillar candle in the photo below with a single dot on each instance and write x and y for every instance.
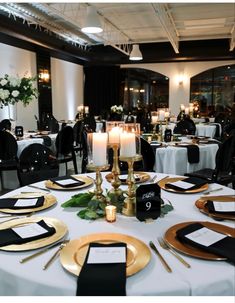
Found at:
(154, 119)
(86, 109)
(182, 107)
(99, 148)
(161, 115)
(80, 108)
(186, 111)
(127, 145)
(114, 135)
(190, 107)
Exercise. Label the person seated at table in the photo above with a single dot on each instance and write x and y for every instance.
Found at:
(186, 126)
(230, 123)
(89, 121)
(5, 124)
(130, 118)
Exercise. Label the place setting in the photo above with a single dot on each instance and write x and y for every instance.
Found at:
(30, 233)
(203, 240)
(217, 207)
(72, 182)
(183, 185)
(27, 202)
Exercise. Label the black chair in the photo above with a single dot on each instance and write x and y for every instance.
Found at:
(36, 163)
(77, 132)
(5, 124)
(225, 165)
(8, 153)
(64, 147)
(186, 126)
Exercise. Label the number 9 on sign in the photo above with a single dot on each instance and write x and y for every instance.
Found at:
(148, 205)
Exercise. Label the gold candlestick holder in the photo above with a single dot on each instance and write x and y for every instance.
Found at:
(115, 170)
(98, 180)
(160, 134)
(130, 200)
(155, 136)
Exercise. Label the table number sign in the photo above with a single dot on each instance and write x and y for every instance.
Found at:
(19, 131)
(148, 202)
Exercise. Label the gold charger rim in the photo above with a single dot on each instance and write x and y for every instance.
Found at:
(163, 182)
(138, 262)
(61, 231)
(201, 205)
(171, 239)
(142, 175)
(49, 201)
(88, 181)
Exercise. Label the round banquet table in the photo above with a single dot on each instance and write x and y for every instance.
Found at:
(204, 278)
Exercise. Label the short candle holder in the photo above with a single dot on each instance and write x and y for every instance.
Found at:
(115, 170)
(130, 200)
(98, 180)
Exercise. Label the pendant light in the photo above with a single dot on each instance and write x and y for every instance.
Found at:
(135, 54)
(92, 24)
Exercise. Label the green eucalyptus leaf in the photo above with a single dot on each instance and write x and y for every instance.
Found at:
(93, 204)
(82, 213)
(79, 200)
(91, 215)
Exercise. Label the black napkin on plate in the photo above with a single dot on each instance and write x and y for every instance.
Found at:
(196, 183)
(10, 203)
(8, 236)
(192, 152)
(107, 279)
(223, 247)
(211, 209)
(123, 179)
(57, 179)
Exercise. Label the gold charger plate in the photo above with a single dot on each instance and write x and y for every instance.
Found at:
(60, 227)
(49, 200)
(88, 181)
(143, 177)
(201, 205)
(171, 239)
(162, 184)
(73, 254)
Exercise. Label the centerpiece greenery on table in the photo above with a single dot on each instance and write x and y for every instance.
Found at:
(15, 89)
(94, 209)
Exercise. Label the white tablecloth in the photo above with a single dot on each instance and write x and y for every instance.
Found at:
(204, 278)
(174, 160)
(205, 130)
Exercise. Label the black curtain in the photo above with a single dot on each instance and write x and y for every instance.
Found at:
(101, 89)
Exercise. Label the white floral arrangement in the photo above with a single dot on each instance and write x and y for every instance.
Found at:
(15, 89)
(116, 109)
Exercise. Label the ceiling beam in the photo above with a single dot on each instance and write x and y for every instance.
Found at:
(167, 24)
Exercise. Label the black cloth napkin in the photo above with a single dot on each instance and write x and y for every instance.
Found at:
(107, 279)
(192, 153)
(10, 203)
(8, 236)
(197, 183)
(223, 248)
(78, 182)
(211, 209)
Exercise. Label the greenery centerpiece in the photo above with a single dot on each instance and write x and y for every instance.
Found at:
(15, 89)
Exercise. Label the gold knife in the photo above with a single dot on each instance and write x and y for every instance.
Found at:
(41, 252)
(55, 255)
(154, 248)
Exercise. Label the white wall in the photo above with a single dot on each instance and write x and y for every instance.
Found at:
(179, 93)
(67, 88)
(15, 61)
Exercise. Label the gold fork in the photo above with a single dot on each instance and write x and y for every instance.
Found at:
(164, 245)
(56, 254)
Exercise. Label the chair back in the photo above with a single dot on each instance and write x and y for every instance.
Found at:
(8, 146)
(36, 163)
(64, 141)
(148, 155)
(5, 124)
(77, 132)
(185, 127)
(225, 156)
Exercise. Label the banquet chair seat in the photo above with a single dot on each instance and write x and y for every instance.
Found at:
(64, 147)
(36, 163)
(8, 153)
(225, 165)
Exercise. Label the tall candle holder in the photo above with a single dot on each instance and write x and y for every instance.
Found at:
(98, 181)
(114, 129)
(115, 170)
(130, 201)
